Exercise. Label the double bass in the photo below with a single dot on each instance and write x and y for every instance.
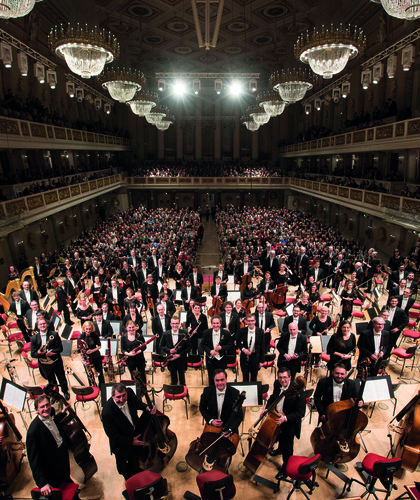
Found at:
(75, 434)
(336, 439)
(160, 443)
(213, 450)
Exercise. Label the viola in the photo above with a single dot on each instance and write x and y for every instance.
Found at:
(336, 439)
(12, 448)
(76, 434)
(160, 443)
(213, 450)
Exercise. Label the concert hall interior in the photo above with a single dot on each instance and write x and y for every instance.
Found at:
(116, 181)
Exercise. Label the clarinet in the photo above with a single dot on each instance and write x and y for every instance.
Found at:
(87, 362)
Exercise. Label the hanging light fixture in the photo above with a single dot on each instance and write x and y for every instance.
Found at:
(327, 51)
(292, 85)
(85, 50)
(271, 102)
(122, 84)
(259, 115)
(143, 102)
(165, 123)
(249, 123)
(156, 115)
(15, 8)
(403, 9)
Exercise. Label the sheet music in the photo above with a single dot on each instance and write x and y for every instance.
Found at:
(14, 396)
(377, 389)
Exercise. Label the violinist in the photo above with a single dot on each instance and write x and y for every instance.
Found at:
(217, 400)
(103, 327)
(124, 427)
(96, 289)
(334, 388)
(194, 316)
(219, 290)
(168, 305)
(48, 455)
(374, 344)
(338, 270)
(84, 310)
(178, 363)
(265, 321)
(305, 305)
(342, 346)
(128, 276)
(321, 324)
(115, 297)
(347, 298)
(150, 294)
(188, 293)
(216, 343)
(328, 264)
(283, 275)
(221, 273)
(301, 266)
(316, 272)
(266, 284)
(251, 345)
(244, 268)
(314, 295)
(142, 274)
(291, 411)
(62, 304)
(249, 292)
(94, 345)
(130, 340)
(239, 309)
(160, 272)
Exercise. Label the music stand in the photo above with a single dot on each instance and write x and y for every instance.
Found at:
(104, 347)
(45, 303)
(183, 317)
(66, 331)
(379, 389)
(361, 327)
(55, 318)
(67, 347)
(116, 326)
(14, 396)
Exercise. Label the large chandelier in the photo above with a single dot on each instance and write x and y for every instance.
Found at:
(271, 102)
(143, 102)
(403, 9)
(122, 84)
(327, 51)
(249, 122)
(258, 115)
(156, 115)
(164, 124)
(15, 8)
(292, 85)
(85, 50)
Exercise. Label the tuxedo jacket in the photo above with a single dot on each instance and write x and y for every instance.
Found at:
(301, 347)
(294, 409)
(193, 294)
(157, 325)
(106, 330)
(140, 276)
(151, 262)
(200, 279)
(56, 345)
(259, 343)
(24, 306)
(208, 406)
(222, 292)
(321, 274)
(28, 315)
(323, 396)
(109, 316)
(226, 342)
(234, 323)
(69, 288)
(269, 320)
(216, 273)
(273, 268)
(240, 269)
(301, 324)
(33, 296)
(170, 308)
(117, 427)
(165, 273)
(120, 297)
(303, 262)
(400, 320)
(409, 305)
(166, 343)
(366, 344)
(61, 298)
(262, 285)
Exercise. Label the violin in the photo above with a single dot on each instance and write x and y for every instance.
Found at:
(160, 443)
(215, 307)
(116, 310)
(213, 450)
(75, 433)
(11, 449)
(335, 440)
(269, 431)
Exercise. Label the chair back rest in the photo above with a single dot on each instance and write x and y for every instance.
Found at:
(173, 389)
(230, 359)
(158, 357)
(269, 357)
(411, 350)
(194, 358)
(155, 490)
(26, 358)
(83, 391)
(310, 465)
(223, 489)
(388, 468)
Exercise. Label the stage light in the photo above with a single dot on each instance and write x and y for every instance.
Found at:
(196, 86)
(39, 71)
(236, 88)
(179, 88)
(70, 88)
(51, 78)
(218, 85)
(22, 60)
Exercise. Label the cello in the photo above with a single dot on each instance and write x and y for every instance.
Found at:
(216, 307)
(335, 440)
(278, 298)
(213, 450)
(11, 449)
(160, 443)
(75, 433)
(269, 431)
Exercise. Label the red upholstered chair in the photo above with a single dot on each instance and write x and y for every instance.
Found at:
(269, 361)
(175, 393)
(409, 334)
(290, 300)
(301, 470)
(357, 314)
(216, 485)
(157, 360)
(280, 313)
(86, 394)
(404, 354)
(232, 364)
(146, 485)
(32, 364)
(376, 467)
(416, 306)
(325, 298)
(12, 337)
(66, 491)
(196, 362)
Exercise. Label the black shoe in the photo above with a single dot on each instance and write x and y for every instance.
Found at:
(66, 396)
(275, 453)
(281, 475)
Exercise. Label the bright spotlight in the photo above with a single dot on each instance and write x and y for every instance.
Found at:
(179, 88)
(236, 88)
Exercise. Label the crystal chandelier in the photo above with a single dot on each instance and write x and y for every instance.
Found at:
(249, 122)
(403, 9)
(143, 102)
(292, 85)
(156, 115)
(271, 103)
(258, 115)
(327, 51)
(15, 8)
(85, 50)
(122, 84)
(164, 124)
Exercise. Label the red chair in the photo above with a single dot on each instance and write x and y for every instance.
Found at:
(269, 362)
(86, 394)
(157, 362)
(196, 362)
(376, 467)
(404, 354)
(290, 300)
(146, 485)
(175, 393)
(409, 334)
(66, 491)
(216, 485)
(416, 306)
(357, 314)
(302, 470)
(232, 364)
(32, 364)
(12, 337)
(325, 298)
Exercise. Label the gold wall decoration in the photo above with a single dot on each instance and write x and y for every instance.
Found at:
(35, 201)
(9, 126)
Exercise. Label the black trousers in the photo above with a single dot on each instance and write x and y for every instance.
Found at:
(177, 370)
(286, 441)
(249, 367)
(53, 372)
(214, 364)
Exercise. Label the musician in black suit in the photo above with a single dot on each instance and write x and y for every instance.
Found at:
(115, 296)
(196, 278)
(103, 328)
(399, 320)
(70, 289)
(46, 347)
(149, 290)
(178, 363)
(152, 261)
(124, 427)
(293, 349)
(271, 264)
(40, 272)
(20, 307)
(251, 345)
(188, 293)
(216, 343)
(301, 266)
(62, 304)
(27, 294)
(48, 454)
(266, 284)
(374, 344)
(397, 276)
(230, 321)
(244, 268)
(221, 273)
(133, 261)
(295, 318)
(405, 301)
(265, 321)
(168, 305)
(413, 285)
(31, 315)
(160, 323)
(334, 388)
(142, 274)
(291, 411)
(219, 290)
(107, 315)
(339, 268)
(160, 272)
(316, 272)
(217, 400)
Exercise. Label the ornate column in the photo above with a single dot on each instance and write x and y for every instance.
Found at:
(161, 145)
(236, 155)
(218, 134)
(198, 136)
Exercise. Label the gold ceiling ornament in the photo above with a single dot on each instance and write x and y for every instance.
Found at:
(86, 50)
(292, 85)
(122, 84)
(271, 102)
(143, 102)
(328, 49)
